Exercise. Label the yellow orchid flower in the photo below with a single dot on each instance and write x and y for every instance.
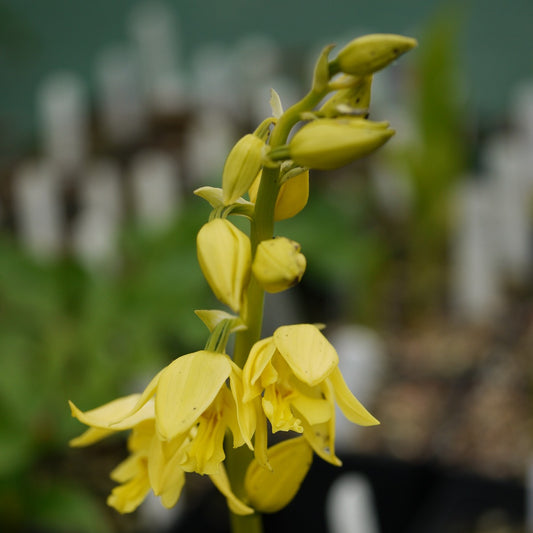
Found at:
(191, 398)
(225, 257)
(153, 463)
(296, 371)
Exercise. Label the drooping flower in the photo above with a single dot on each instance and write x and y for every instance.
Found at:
(192, 399)
(178, 425)
(296, 373)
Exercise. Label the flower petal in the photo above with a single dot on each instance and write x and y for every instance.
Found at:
(351, 407)
(314, 410)
(271, 490)
(261, 437)
(258, 359)
(186, 389)
(127, 497)
(116, 415)
(309, 354)
(321, 436)
(246, 416)
(221, 482)
(90, 436)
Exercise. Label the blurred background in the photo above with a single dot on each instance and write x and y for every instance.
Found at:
(419, 257)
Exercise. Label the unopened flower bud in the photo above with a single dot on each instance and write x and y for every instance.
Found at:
(326, 144)
(224, 254)
(241, 167)
(278, 264)
(292, 196)
(370, 53)
(269, 490)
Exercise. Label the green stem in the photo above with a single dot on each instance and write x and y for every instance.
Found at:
(262, 228)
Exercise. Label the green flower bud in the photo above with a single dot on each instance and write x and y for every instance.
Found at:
(278, 264)
(224, 254)
(326, 143)
(371, 53)
(241, 167)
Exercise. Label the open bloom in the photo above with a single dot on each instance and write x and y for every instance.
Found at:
(296, 373)
(178, 425)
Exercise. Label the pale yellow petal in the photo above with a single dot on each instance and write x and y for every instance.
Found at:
(271, 490)
(140, 438)
(258, 359)
(156, 465)
(114, 415)
(309, 354)
(186, 389)
(314, 410)
(261, 436)
(221, 482)
(127, 497)
(212, 317)
(90, 436)
(351, 407)
(321, 437)
(164, 471)
(172, 492)
(134, 465)
(246, 417)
